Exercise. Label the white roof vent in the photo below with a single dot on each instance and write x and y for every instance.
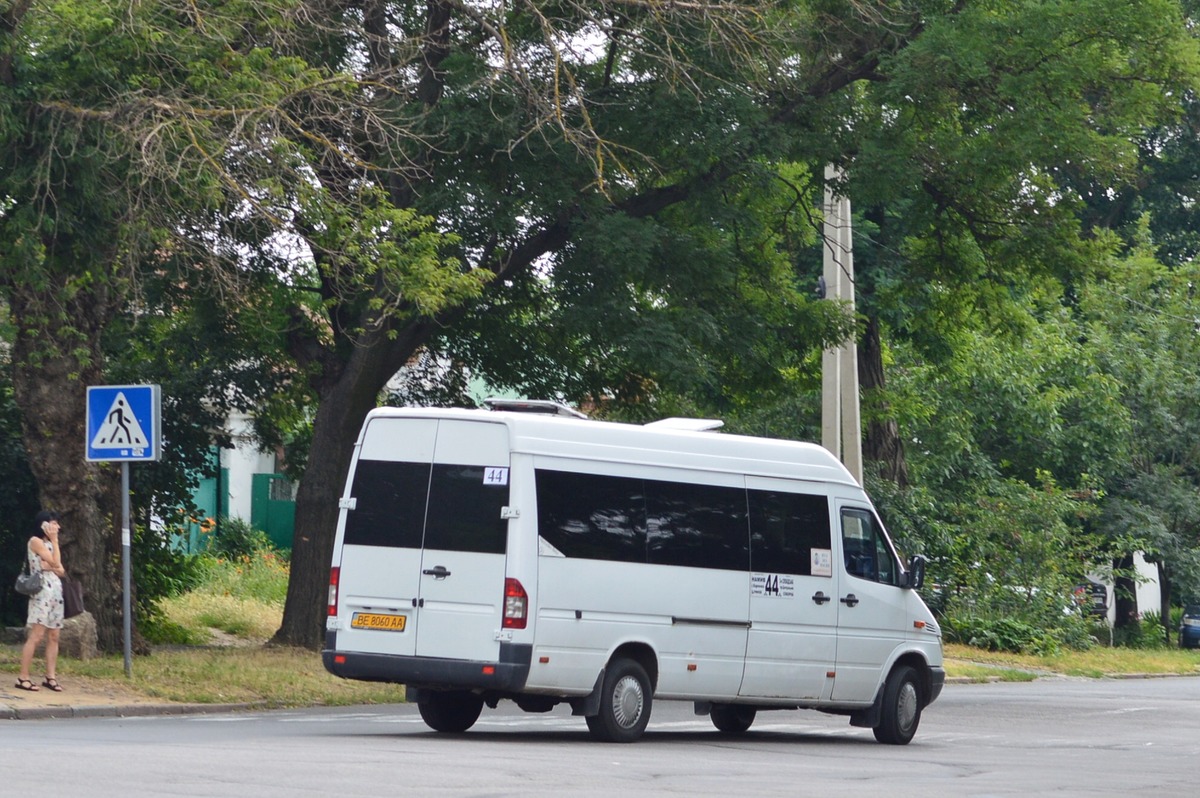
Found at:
(689, 424)
(541, 406)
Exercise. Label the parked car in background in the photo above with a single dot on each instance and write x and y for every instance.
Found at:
(1189, 628)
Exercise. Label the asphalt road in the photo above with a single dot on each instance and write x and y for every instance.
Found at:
(1053, 737)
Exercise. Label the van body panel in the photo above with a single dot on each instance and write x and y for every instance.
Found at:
(421, 505)
(733, 569)
(793, 599)
(460, 611)
(873, 611)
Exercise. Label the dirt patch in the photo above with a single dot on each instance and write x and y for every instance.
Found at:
(78, 691)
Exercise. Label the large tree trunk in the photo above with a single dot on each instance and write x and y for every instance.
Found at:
(1124, 593)
(56, 355)
(882, 444)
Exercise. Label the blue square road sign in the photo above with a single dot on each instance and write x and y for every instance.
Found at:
(123, 423)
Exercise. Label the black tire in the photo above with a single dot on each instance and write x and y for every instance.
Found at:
(625, 700)
(451, 712)
(732, 719)
(901, 711)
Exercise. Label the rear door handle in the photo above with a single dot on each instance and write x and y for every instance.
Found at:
(437, 572)
(850, 600)
(821, 598)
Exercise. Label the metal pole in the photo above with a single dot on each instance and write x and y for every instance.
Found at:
(126, 544)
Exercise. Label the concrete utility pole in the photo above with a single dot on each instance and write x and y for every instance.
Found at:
(841, 421)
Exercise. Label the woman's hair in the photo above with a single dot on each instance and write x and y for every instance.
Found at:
(41, 518)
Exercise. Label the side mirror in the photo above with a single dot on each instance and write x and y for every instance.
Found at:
(914, 578)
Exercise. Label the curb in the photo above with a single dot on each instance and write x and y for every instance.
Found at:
(122, 711)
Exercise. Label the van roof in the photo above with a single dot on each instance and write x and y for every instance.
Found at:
(659, 445)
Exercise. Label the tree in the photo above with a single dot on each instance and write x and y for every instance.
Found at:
(116, 124)
(427, 161)
(1140, 321)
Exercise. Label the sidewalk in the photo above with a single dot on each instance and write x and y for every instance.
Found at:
(83, 698)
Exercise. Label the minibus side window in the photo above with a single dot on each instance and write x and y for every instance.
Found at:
(701, 526)
(464, 511)
(865, 549)
(785, 528)
(390, 504)
(592, 516)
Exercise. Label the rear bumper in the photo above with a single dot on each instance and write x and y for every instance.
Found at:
(507, 674)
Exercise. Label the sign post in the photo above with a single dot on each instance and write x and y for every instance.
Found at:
(123, 425)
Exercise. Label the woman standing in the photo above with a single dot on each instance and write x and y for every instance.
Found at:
(45, 608)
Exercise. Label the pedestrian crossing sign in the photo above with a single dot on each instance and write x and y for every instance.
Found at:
(123, 422)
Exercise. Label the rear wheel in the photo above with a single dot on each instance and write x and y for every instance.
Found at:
(625, 699)
(454, 711)
(732, 719)
(901, 711)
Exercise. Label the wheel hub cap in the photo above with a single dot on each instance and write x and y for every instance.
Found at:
(627, 702)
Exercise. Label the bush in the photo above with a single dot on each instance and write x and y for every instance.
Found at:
(1152, 630)
(1012, 635)
(261, 575)
(237, 538)
(162, 631)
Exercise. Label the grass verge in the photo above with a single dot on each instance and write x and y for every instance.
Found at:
(1095, 663)
(273, 677)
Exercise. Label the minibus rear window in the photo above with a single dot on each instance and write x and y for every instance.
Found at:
(464, 511)
(389, 504)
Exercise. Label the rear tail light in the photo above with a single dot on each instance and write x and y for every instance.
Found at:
(516, 605)
(334, 575)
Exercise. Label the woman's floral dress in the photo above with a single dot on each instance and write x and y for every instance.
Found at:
(46, 607)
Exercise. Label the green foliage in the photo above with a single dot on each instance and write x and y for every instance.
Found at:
(18, 502)
(1014, 635)
(159, 571)
(260, 575)
(236, 539)
(1003, 562)
(160, 630)
(1135, 635)
(241, 594)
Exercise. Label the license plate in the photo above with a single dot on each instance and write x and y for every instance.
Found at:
(374, 620)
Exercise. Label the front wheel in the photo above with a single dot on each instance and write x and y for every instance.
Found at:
(625, 699)
(901, 711)
(452, 712)
(732, 719)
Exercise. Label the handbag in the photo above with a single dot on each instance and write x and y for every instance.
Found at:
(29, 583)
(72, 597)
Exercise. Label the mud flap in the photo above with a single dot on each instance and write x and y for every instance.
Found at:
(589, 705)
(871, 716)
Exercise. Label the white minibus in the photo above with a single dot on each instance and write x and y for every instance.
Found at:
(546, 558)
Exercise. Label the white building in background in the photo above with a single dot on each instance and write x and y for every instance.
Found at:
(241, 464)
(247, 486)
